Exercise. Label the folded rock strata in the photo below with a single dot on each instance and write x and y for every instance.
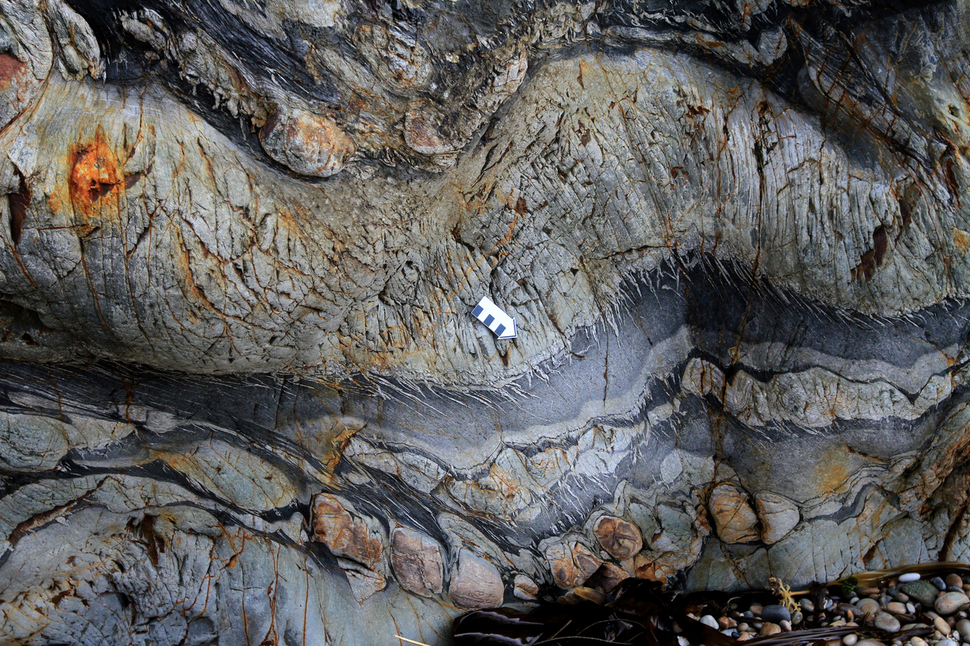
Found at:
(242, 396)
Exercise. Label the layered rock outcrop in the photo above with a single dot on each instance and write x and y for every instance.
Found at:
(243, 397)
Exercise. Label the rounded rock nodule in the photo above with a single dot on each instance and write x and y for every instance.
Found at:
(619, 538)
(417, 562)
(475, 583)
(306, 143)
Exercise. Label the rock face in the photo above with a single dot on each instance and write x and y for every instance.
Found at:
(242, 395)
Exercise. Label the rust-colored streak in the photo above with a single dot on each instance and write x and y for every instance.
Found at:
(145, 529)
(95, 182)
(872, 259)
(879, 244)
(18, 203)
(10, 67)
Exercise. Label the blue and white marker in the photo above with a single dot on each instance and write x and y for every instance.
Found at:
(495, 319)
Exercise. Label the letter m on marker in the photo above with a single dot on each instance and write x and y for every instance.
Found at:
(495, 319)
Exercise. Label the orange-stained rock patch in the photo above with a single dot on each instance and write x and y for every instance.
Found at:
(10, 68)
(95, 181)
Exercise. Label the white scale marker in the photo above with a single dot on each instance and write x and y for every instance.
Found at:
(495, 319)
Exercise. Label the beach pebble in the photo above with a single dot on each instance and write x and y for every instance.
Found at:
(785, 625)
(885, 621)
(910, 608)
(949, 602)
(940, 624)
(868, 606)
(947, 642)
(922, 591)
(708, 620)
(917, 641)
(938, 582)
(963, 627)
(909, 576)
(807, 605)
(896, 608)
(775, 613)
(850, 639)
(756, 608)
(869, 642)
(796, 617)
(901, 597)
(770, 629)
(953, 579)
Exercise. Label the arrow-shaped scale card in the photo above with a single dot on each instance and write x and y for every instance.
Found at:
(495, 319)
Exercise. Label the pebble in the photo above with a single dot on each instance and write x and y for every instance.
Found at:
(954, 579)
(922, 591)
(807, 605)
(963, 627)
(850, 639)
(909, 576)
(901, 597)
(756, 608)
(947, 642)
(938, 582)
(896, 608)
(917, 641)
(940, 624)
(869, 642)
(910, 608)
(744, 628)
(775, 613)
(785, 625)
(770, 629)
(868, 606)
(887, 622)
(797, 617)
(709, 620)
(949, 602)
